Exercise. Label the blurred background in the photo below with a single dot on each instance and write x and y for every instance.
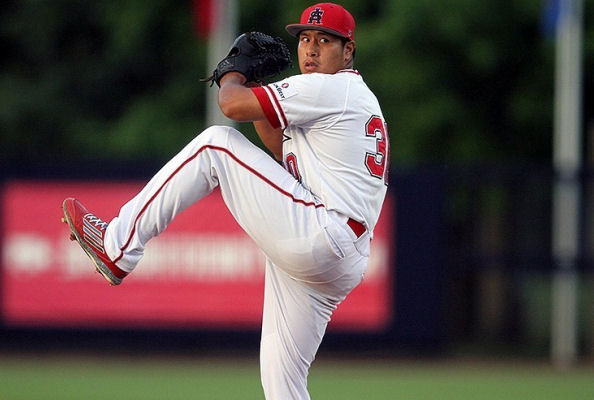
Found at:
(486, 250)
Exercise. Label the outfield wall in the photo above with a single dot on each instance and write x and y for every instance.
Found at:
(461, 260)
(202, 272)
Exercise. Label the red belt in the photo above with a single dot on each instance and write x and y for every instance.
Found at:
(356, 226)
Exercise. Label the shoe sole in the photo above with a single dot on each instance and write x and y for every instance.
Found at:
(99, 265)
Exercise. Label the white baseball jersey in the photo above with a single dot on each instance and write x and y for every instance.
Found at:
(335, 139)
(335, 149)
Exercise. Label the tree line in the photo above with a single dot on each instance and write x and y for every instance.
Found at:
(458, 80)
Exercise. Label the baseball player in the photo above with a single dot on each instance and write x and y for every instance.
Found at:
(313, 216)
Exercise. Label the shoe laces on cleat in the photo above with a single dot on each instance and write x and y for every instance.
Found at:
(98, 222)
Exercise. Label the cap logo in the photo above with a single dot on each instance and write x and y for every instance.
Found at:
(315, 17)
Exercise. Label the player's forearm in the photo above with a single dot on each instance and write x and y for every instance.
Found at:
(237, 101)
(271, 137)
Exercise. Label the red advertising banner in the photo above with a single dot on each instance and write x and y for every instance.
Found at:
(202, 272)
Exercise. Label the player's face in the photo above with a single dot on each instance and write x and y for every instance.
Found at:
(321, 52)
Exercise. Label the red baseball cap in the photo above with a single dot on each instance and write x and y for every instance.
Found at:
(326, 17)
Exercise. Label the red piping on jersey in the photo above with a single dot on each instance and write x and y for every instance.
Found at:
(244, 165)
(267, 106)
(265, 96)
(278, 106)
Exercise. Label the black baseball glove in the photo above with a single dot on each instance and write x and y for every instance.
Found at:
(256, 55)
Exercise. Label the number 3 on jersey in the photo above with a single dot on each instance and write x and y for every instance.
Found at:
(378, 163)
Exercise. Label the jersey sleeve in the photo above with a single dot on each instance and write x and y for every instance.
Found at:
(298, 100)
(271, 107)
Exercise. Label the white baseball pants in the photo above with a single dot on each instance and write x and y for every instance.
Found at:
(313, 258)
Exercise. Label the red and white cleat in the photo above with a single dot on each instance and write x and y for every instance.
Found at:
(89, 231)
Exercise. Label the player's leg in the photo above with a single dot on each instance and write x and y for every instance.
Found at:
(287, 222)
(257, 190)
(181, 182)
(294, 322)
(184, 180)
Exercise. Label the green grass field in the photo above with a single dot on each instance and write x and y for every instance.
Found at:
(117, 378)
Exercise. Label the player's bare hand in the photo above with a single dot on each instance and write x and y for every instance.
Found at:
(234, 77)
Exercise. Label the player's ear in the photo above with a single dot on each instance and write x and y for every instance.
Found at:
(349, 52)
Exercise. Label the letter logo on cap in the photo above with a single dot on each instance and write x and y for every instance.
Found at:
(315, 17)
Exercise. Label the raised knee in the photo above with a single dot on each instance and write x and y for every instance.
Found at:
(217, 135)
(213, 134)
(229, 140)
